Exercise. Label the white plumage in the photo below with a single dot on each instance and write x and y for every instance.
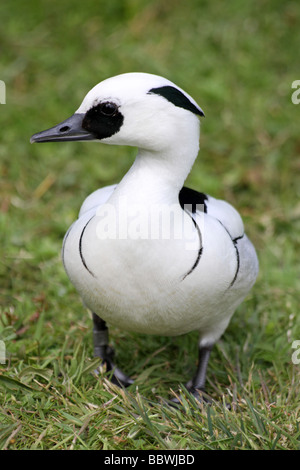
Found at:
(145, 254)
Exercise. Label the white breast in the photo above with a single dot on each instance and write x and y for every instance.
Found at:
(149, 286)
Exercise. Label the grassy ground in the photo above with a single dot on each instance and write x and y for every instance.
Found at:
(238, 60)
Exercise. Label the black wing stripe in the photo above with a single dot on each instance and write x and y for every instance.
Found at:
(234, 241)
(80, 248)
(199, 252)
(191, 201)
(238, 263)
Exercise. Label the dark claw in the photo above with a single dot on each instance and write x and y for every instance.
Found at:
(116, 375)
(196, 386)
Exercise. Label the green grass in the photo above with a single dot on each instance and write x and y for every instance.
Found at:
(238, 60)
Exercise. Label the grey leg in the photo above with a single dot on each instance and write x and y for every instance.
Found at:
(106, 353)
(197, 384)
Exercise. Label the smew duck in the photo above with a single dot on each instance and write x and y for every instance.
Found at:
(148, 254)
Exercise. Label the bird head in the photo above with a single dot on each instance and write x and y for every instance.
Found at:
(136, 109)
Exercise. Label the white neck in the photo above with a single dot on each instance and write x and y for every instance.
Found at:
(157, 176)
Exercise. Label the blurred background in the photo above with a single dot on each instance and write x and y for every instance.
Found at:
(238, 60)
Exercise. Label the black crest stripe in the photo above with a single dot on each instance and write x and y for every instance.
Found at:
(80, 248)
(176, 97)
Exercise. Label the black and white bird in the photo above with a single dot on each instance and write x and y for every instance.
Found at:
(148, 254)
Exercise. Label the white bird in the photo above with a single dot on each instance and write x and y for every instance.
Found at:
(148, 254)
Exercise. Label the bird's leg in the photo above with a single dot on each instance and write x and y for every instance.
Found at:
(106, 353)
(197, 383)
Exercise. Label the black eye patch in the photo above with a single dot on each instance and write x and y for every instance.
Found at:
(103, 120)
(176, 97)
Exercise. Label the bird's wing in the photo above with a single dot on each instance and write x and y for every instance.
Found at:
(96, 199)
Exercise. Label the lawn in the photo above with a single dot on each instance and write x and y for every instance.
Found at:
(238, 60)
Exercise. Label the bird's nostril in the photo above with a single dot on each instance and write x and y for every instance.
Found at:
(64, 129)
